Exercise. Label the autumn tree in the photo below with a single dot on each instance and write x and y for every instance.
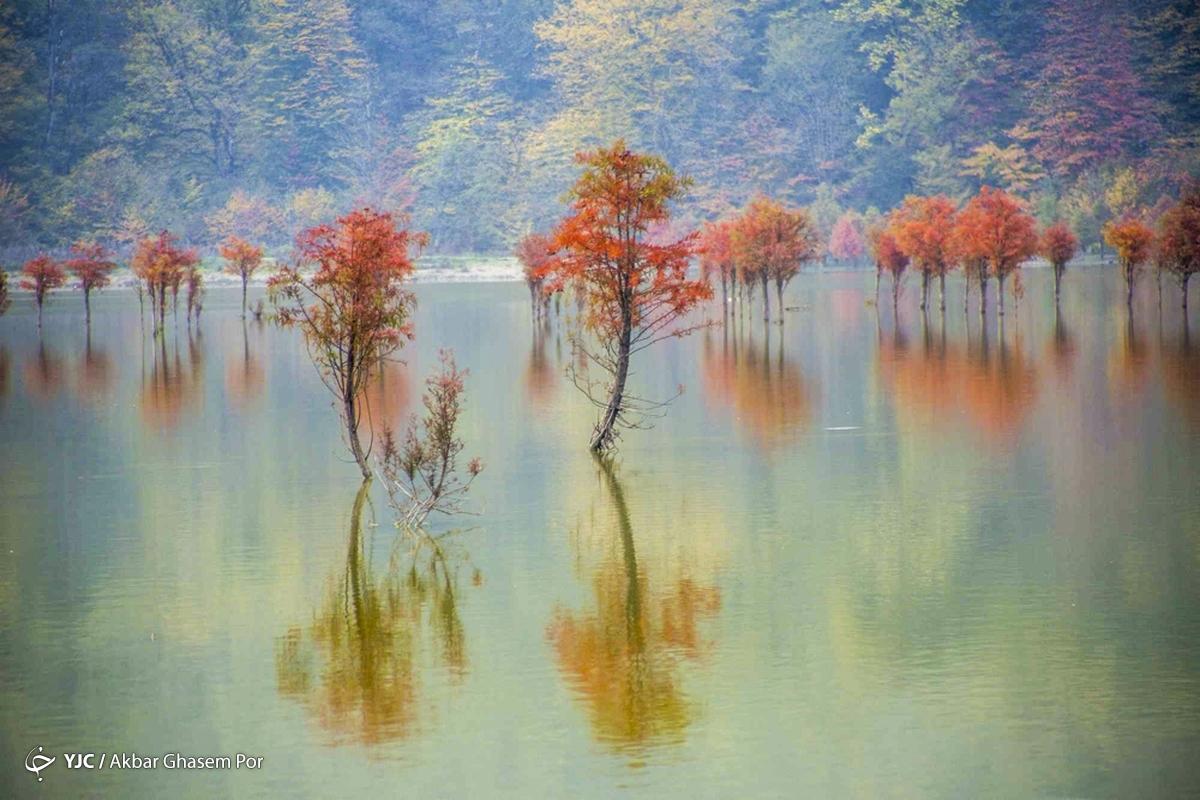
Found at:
(635, 291)
(243, 260)
(1133, 241)
(93, 266)
(42, 275)
(534, 252)
(161, 265)
(846, 239)
(355, 310)
(716, 256)
(923, 228)
(889, 257)
(194, 280)
(1179, 241)
(773, 242)
(1058, 245)
(996, 231)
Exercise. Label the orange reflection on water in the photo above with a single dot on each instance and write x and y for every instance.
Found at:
(95, 373)
(622, 656)
(44, 373)
(171, 383)
(1129, 361)
(541, 378)
(384, 400)
(766, 390)
(1180, 364)
(244, 379)
(992, 385)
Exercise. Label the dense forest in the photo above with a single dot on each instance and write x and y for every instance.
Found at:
(259, 117)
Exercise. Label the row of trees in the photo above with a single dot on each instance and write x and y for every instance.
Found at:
(993, 234)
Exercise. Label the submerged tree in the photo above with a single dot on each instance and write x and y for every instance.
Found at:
(354, 310)
(635, 291)
(421, 473)
(889, 258)
(161, 264)
(1058, 245)
(42, 275)
(1179, 241)
(995, 229)
(716, 256)
(1133, 240)
(243, 260)
(534, 252)
(93, 266)
(923, 228)
(773, 242)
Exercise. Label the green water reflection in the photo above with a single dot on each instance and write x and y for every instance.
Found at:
(859, 557)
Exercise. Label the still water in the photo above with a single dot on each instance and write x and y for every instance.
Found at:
(856, 559)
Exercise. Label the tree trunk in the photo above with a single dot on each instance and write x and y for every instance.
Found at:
(982, 294)
(87, 307)
(39, 305)
(924, 289)
(1129, 288)
(1000, 293)
(766, 299)
(1058, 271)
(724, 295)
(244, 282)
(351, 411)
(877, 273)
(941, 291)
(779, 297)
(895, 293)
(1183, 284)
(602, 438)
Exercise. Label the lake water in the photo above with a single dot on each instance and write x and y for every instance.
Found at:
(855, 559)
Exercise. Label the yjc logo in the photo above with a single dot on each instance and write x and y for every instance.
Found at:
(35, 762)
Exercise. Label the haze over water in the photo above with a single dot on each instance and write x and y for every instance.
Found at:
(856, 558)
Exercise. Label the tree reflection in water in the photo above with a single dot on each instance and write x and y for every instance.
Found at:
(44, 374)
(622, 657)
(171, 385)
(355, 669)
(993, 385)
(95, 372)
(1181, 375)
(767, 394)
(244, 375)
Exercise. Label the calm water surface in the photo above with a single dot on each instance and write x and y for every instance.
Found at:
(856, 559)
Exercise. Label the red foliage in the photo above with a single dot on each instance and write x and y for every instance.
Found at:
(92, 265)
(242, 259)
(1134, 242)
(716, 254)
(634, 291)
(42, 274)
(995, 230)
(354, 310)
(1178, 250)
(535, 252)
(162, 264)
(771, 243)
(888, 257)
(1058, 246)
(846, 239)
(923, 228)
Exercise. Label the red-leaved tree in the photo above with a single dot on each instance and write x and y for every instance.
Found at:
(889, 258)
(92, 265)
(355, 310)
(773, 243)
(243, 260)
(996, 231)
(535, 252)
(1058, 246)
(923, 228)
(161, 264)
(716, 256)
(1134, 241)
(635, 291)
(1179, 241)
(42, 275)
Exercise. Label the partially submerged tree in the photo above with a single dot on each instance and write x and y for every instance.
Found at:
(92, 265)
(421, 473)
(635, 291)
(354, 310)
(243, 260)
(716, 257)
(195, 292)
(889, 258)
(534, 252)
(1179, 241)
(995, 229)
(773, 242)
(161, 264)
(1058, 245)
(42, 275)
(923, 228)
(1133, 241)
